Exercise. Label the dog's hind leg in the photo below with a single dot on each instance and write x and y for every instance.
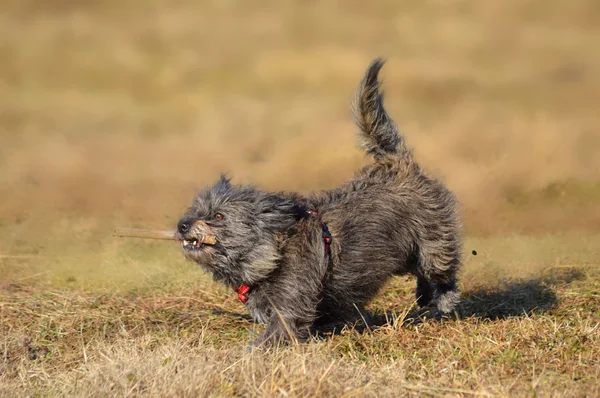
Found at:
(438, 267)
(424, 291)
(447, 296)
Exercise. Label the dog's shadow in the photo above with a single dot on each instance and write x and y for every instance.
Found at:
(506, 299)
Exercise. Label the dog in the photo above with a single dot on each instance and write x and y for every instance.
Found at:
(301, 261)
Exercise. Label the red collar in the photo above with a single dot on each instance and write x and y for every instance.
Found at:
(243, 289)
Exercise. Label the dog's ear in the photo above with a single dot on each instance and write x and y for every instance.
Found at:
(299, 204)
(273, 203)
(277, 212)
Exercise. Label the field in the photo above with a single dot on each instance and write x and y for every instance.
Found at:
(113, 113)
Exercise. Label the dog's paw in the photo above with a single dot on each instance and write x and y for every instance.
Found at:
(447, 301)
(265, 344)
(254, 348)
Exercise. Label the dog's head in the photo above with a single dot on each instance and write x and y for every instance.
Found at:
(245, 222)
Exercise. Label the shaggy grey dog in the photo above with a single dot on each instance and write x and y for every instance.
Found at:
(300, 262)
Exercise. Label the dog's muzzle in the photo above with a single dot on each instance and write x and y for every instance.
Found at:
(193, 235)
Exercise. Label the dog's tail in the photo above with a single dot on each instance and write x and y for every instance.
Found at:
(380, 137)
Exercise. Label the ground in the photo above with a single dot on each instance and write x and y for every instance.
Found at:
(528, 324)
(113, 113)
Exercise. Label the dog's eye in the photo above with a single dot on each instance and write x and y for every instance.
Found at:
(219, 216)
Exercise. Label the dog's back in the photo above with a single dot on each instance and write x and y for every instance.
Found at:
(390, 219)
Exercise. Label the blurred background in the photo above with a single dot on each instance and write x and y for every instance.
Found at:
(114, 112)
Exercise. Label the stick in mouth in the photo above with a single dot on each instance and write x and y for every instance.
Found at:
(153, 234)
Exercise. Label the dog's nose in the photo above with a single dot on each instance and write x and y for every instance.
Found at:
(183, 226)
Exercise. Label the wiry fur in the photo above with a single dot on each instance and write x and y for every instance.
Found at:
(390, 219)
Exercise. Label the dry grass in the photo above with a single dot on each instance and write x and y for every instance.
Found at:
(524, 328)
(112, 113)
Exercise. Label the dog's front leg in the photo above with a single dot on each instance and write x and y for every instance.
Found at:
(281, 330)
(293, 312)
(293, 297)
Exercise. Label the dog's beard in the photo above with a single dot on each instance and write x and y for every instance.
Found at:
(212, 263)
(201, 255)
(258, 262)
(213, 259)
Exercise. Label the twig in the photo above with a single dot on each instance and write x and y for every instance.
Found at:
(153, 234)
(143, 233)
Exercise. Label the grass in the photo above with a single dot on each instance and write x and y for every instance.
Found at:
(527, 325)
(113, 113)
